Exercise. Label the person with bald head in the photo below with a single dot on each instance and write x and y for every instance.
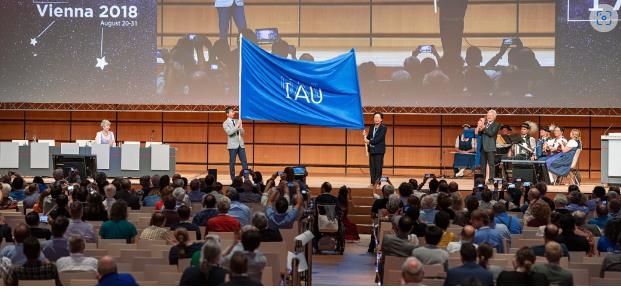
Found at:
(467, 236)
(551, 233)
(107, 274)
(412, 272)
(553, 270)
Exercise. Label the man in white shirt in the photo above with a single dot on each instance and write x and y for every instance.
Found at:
(76, 261)
(467, 236)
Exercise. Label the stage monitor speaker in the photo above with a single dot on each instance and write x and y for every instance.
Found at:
(525, 173)
(214, 173)
(85, 166)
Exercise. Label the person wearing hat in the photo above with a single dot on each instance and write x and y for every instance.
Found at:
(526, 149)
(544, 137)
(465, 150)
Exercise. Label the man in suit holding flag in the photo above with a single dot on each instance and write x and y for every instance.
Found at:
(376, 142)
(235, 140)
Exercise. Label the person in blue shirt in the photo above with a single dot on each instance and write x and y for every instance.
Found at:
(17, 194)
(107, 273)
(501, 217)
(485, 234)
(469, 269)
(602, 218)
(606, 243)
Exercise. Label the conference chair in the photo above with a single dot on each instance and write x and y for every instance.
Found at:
(21, 142)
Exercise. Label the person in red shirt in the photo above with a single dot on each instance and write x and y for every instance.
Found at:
(223, 222)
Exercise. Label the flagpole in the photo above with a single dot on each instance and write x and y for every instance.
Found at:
(435, 6)
(241, 41)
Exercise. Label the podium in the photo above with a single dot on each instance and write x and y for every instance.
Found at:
(9, 155)
(40, 155)
(611, 158)
(130, 156)
(102, 151)
(160, 157)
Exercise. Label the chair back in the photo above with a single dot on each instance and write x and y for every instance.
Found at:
(66, 276)
(574, 162)
(49, 282)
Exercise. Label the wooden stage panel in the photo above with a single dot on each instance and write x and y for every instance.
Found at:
(322, 155)
(218, 153)
(417, 135)
(276, 133)
(596, 137)
(567, 122)
(276, 154)
(321, 135)
(458, 120)
(86, 130)
(596, 160)
(200, 117)
(47, 115)
(191, 153)
(185, 132)
(356, 156)
(191, 18)
(97, 116)
(449, 135)
(13, 130)
(216, 134)
(420, 156)
(535, 17)
(57, 130)
(141, 131)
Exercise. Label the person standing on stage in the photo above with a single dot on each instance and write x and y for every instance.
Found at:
(228, 9)
(375, 139)
(488, 128)
(235, 141)
(105, 136)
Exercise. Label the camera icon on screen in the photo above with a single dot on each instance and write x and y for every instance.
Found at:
(604, 18)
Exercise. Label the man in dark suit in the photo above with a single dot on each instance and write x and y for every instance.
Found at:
(469, 270)
(488, 129)
(375, 139)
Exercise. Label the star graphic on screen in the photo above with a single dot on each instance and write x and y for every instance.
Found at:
(101, 63)
(33, 41)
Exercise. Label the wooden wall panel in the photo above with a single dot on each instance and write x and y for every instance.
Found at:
(216, 133)
(191, 153)
(144, 116)
(276, 154)
(416, 136)
(404, 19)
(356, 156)
(93, 116)
(12, 115)
(321, 135)
(535, 17)
(185, 132)
(190, 18)
(218, 153)
(409, 156)
(13, 130)
(322, 155)
(200, 117)
(85, 130)
(335, 19)
(57, 130)
(47, 115)
(138, 131)
(276, 133)
(596, 137)
(409, 119)
(596, 160)
(490, 18)
(284, 17)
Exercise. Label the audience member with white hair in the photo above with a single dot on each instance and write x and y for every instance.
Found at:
(412, 272)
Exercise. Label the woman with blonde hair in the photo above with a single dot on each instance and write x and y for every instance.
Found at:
(209, 272)
(105, 136)
(560, 164)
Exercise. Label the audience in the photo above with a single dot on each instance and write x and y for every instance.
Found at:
(557, 276)
(15, 252)
(250, 242)
(155, 230)
(469, 269)
(612, 261)
(209, 211)
(79, 227)
(33, 221)
(259, 220)
(239, 210)
(195, 194)
(209, 272)
(466, 236)
(223, 222)
(118, 227)
(184, 247)
(76, 261)
(430, 253)
(108, 275)
(58, 246)
(485, 234)
(33, 268)
(239, 266)
(523, 274)
(412, 272)
(184, 221)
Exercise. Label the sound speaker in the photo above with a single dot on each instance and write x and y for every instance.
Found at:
(525, 173)
(478, 176)
(214, 173)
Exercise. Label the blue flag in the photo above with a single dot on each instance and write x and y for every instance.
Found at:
(324, 93)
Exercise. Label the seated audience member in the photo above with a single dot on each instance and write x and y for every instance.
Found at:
(476, 80)
(33, 268)
(550, 234)
(523, 274)
(108, 275)
(6, 203)
(209, 210)
(239, 263)
(17, 193)
(62, 201)
(570, 239)
(501, 217)
(277, 214)
(32, 195)
(612, 261)
(541, 215)
(399, 244)
(598, 197)
(587, 230)
(76, 261)
(223, 222)
(430, 253)
(5, 231)
(412, 272)
(95, 210)
(58, 246)
(118, 227)
(184, 248)
(170, 211)
(217, 191)
(195, 194)
(557, 276)
(181, 198)
(485, 234)
(486, 202)
(32, 219)
(466, 236)
(500, 228)
(485, 253)
(248, 246)
(209, 272)
(608, 242)
(239, 210)
(469, 269)
(442, 221)
(614, 206)
(560, 204)
(259, 220)
(428, 210)
(184, 221)
(577, 202)
(110, 193)
(79, 227)
(156, 229)
(126, 194)
(602, 218)
(165, 193)
(462, 219)
(15, 252)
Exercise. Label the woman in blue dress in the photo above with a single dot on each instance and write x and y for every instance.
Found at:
(465, 149)
(560, 163)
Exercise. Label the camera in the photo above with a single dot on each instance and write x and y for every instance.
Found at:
(266, 35)
(191, 36)
(214, 67)
(497, 180)
(425, 49)
(246, 171)
(511, 186)
(383, 179)
(527, 184)
(511, 41)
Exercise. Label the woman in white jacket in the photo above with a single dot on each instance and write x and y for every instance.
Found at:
(105, 136)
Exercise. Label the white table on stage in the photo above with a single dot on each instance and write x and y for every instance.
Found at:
(40, 155)
(160, 157)
(69, 149)
(9, 155)
(130, 156)
(102, 151)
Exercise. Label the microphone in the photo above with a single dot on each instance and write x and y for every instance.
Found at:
(605, 132)
(152, 133)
